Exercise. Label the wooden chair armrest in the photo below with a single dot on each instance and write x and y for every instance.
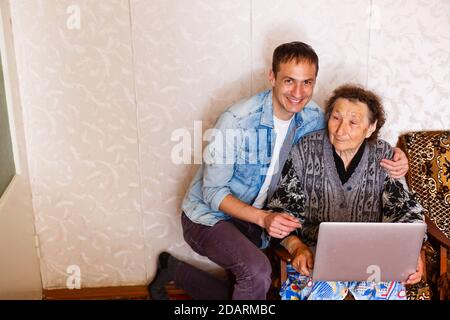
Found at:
(285, 257)
(437, 234)
(283, 254)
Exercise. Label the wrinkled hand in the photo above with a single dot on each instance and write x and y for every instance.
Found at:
(398, 166)
(303, 260)
(416, 277)
(279, 225)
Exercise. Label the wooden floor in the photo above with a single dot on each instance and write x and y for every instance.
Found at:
(111, 293)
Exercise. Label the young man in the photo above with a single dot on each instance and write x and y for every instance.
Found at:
(223, 216)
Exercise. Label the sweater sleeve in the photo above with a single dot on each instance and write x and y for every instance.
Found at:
(288, 197)
(397, 202)
(400, 205)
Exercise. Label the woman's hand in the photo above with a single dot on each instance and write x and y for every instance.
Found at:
(398, 166)
(303, 260)
(417, 276)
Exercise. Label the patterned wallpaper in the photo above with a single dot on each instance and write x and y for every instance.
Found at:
(78, 96)
(409, 65)
(105, 84)
(337, 30)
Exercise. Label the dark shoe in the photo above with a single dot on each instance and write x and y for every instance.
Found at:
(165, 273)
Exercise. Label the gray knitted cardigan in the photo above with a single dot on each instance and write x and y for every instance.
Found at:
(310, 188)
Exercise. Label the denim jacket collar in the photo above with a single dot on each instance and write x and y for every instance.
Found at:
(267, 111)
(298, 119)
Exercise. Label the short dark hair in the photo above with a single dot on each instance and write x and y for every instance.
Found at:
(355, 93)
(298, 51)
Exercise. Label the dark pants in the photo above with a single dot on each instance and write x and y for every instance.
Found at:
(233, 245)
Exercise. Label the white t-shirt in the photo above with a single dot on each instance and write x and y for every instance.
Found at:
(281, 129)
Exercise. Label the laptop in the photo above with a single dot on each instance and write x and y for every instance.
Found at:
(358, 251)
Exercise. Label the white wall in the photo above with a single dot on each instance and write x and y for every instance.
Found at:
(101, 102)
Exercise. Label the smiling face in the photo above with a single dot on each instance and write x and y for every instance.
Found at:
(349, 125)
(293, 87)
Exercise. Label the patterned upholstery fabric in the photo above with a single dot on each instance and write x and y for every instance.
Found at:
(429, 174)
(429, 177)
(419, 291)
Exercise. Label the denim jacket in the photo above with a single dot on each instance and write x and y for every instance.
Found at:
(238, 155)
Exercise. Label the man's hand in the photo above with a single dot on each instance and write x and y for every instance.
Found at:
(398, 166)
(417, 276)
(279, 225)
(303, 260)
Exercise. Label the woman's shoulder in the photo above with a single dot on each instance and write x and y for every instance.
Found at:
(382, 149)
(316, 136)
(310, 141)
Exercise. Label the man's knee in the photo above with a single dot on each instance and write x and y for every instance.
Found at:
(259, 268)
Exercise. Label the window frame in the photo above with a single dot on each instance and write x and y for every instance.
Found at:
(9, 108)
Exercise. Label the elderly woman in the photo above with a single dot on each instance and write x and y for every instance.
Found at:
(334, 175)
